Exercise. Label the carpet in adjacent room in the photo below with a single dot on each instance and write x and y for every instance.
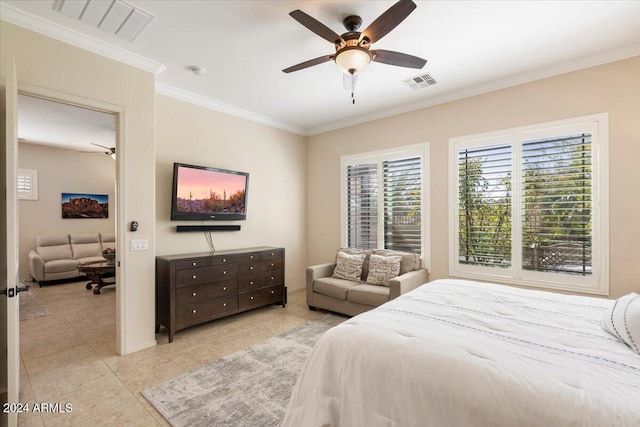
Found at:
(31, 307)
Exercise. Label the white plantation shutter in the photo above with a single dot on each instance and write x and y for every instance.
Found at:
(529, 205)
(27, 184)
(557, 200)
(403, 204)
(484, 212)
(383, 200)
(362, 206)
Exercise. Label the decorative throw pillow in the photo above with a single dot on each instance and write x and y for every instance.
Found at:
(622, 320)
(365, 265)
(382, 269)
(348, 267)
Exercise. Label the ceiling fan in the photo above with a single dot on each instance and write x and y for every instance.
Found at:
(353, 52)
(111, 151)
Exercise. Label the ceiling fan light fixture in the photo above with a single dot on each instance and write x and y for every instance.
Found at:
(353, 59)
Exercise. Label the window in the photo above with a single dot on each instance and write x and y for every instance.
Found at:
(383, 200)
(529, 205)
(27, 184)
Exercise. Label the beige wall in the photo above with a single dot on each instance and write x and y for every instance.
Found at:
(275, 160)
(48, 66)
(62, 171)
(612, 88)
(286, 172)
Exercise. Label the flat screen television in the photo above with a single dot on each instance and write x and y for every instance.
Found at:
(206, 193)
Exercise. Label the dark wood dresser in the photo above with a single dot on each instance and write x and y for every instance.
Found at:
(195, 288)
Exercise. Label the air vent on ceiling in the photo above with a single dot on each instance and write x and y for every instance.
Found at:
(113, 16)
(420, 81)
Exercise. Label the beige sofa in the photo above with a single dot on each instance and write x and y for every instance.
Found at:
(57, 256)
(355, 297)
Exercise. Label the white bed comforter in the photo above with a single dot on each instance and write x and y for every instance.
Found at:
(461, 353)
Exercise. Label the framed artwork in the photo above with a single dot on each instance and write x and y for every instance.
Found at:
(76, 205)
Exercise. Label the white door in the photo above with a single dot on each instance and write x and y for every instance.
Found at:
(9, 334)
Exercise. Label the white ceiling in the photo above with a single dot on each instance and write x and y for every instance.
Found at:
(471, 47)
(45, 122)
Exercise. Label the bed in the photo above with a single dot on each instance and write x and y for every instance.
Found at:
(462, 353)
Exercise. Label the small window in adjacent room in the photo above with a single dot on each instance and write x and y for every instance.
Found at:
(384, 198)
(529, 205)
(27, 184)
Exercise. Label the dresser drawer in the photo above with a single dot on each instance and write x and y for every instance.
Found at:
(224, 259)
(196, 293)
(246, 283)
(198, 312)
(259, 267)
(249, 257)
(193, 263)
(273, 253)
(197, 276)
(260, 297)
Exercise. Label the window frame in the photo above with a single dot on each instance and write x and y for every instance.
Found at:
(595, 283)
(421, 150)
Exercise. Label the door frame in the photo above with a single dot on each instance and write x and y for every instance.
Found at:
(10, 377)
(120, 117)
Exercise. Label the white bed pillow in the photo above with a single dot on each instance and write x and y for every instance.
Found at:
(622, 320)
(382, 269)
(348, 267)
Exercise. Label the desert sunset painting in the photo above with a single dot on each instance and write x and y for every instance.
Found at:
(204, 190)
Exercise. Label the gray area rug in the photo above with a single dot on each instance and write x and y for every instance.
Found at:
(248, 388)
(30, 306)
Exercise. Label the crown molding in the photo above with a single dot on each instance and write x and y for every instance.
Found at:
(212, 104)
(51, 29)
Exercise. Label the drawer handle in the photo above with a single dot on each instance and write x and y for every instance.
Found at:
(194, 311)
(251, 268)
(250, 297)
(224, 260)
(195, 293)
(224, 304)
(251, 282)
(271, 253)
(251, 257)
(272, 264)
(194, 277)
(224, 288)
(272, 277)
(273, 292)
(224, 272)
(194, 263)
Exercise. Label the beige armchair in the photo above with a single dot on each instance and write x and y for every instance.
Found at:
(354, 297)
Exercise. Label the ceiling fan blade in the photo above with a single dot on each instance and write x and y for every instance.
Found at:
(98, 145)
(316, 26)
(349, 81)
(396, 58)
(389, 20)
(309, 63)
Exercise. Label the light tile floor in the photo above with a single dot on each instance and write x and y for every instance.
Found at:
(69, 356)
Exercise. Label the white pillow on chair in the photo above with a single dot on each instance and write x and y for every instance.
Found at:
(348, 267)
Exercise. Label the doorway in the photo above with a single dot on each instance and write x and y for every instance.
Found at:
(68, 146)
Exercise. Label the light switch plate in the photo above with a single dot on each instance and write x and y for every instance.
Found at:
(139, 244)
